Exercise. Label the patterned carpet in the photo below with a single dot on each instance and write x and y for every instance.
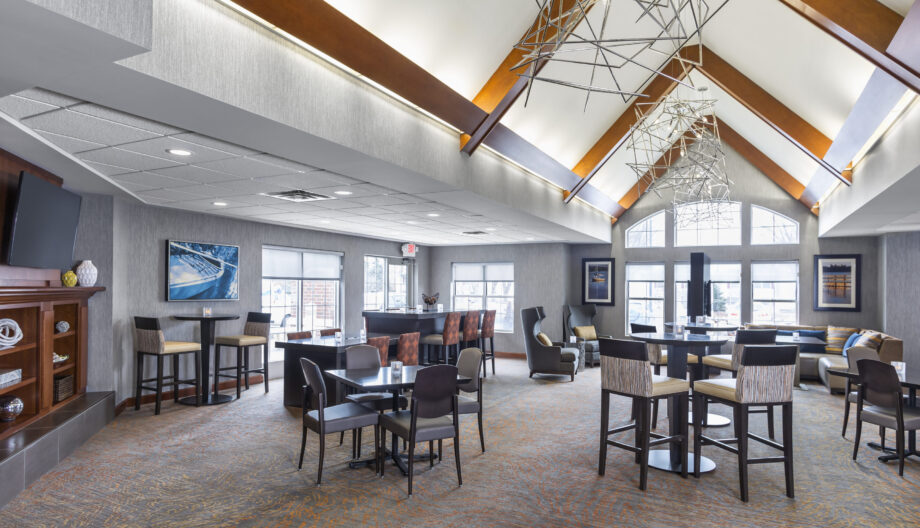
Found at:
(235, 465)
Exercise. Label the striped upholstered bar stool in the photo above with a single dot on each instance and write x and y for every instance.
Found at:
(626, 371)
(255, 333)
(150, 341)
(766, 374)
(657, 357)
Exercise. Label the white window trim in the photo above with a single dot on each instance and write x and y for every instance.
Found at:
(643, 222)
(662, 298)
(781, 215)
(485, 291)
(740, 243)
(798, 290)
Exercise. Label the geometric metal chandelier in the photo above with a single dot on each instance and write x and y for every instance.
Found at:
(562, 33)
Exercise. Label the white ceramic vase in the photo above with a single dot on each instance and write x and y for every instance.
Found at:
(87, 273)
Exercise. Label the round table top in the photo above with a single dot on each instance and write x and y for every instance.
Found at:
(200, 317)
(709, 327)
(667, 338)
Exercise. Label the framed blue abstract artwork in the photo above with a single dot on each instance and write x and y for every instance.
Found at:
(197, 271)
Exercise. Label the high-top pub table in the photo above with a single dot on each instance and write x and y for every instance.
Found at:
(699, 371)
(678, 348)
(204, 370)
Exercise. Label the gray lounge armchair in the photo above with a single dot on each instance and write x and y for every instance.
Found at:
(543, 359)
(572, 316)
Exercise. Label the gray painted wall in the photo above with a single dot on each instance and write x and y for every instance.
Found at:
(750, 186)
(901, 291)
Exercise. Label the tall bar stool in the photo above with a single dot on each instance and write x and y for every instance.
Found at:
(487, 332)
(150, 341)
(731, 362)
(299, 335)
(446, 341)
(658, 358)
(766, 374)
(382, 344)
(470, 329)
(626, 371)
(255, 333)
(407, 348)
(329, 332)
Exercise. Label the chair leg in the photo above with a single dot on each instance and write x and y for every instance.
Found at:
(858, 434)
(697, 432)
(655, 413)
(770, 431)
(239, 370)
(684, 403)
(376, 449)
(431, 453)
(743, 452)
(175, 373)
(159, 395)
(322, 453)
(899, 443)
(139, 366)
(265, 366)
(881, 434)
(197, 378)
(846, 408)
(492, 352)
(440, 451)
(381, 449)
(605, 419)
(457, 455)
(645, 418)
(217, 349)
(411, 457)
(787, 449)
(358, 445)
(246, 368)
(303, 445)
(354, 443)
(482, 438)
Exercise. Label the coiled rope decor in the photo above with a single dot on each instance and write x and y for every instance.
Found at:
(10, 333)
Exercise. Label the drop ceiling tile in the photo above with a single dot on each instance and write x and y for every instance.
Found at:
(357, 191)
(49, 97)
(238, 187)
(339, 204)
(286, 217)
(310, 180)
(165, 195)
(216, 144)
(291, 166)
(244, 167)
(294, 207)
(261, 199)
(159, 146)
(124, 158)
(195, 174)
(86, 127)
(19, 107)
(108, 170)
(207, 204)
(149, 180)
(70, 144)
(251, 210)
(134, 187)
(204, 191)
(125, 119)
(423, 207)
(388, 201)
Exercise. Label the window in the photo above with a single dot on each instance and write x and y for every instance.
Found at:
(708, 224)
(725, 281)
(645, 294)
(386, 283)
(302, 291)
(770, 227)
(647, 233)
(485, 287)
(775, 292)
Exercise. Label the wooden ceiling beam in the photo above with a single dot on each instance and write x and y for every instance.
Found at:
(866, 27)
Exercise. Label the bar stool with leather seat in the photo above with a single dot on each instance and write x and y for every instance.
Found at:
(327, 420)
(626, 371)
(255, 333)
(469, 329)
(658, 358)
(765, 376)
(328, 332)
(851, 395)
(487, 331)
(880, 401)
(149, 340)
(299, 335)
(407, 348)
(382, 344)
(468, 364)
(445, 341)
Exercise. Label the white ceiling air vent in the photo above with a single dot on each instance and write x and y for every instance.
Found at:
(298, 195)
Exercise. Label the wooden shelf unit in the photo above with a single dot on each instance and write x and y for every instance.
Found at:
(36, 310)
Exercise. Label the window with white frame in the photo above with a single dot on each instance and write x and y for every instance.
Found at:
(725, 289)
(485, 286)
(647, 233)
(775, 296)
(707, 224)
(770, 227)
(645, 294)
(386, 282)
(301, 289)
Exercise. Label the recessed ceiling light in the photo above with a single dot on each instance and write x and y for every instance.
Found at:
(220, 204)
(490, 229)
(324, 221)
(433, 215)
(344, 193)
(179, 152)
(531, 238)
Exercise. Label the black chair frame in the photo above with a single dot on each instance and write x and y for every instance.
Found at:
(173, 380)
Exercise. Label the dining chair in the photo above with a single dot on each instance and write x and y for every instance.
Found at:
(149, 340)
(445, 341)
(468, 364)
(627, 371)
(255, 333)
(326, 420)
(880, 388)
(382, 344)
(851, 395)
(299, 335)
(432, 416)
(487, 332)
(329, 332)
(407, 348)
(367, 357)
(765, 376)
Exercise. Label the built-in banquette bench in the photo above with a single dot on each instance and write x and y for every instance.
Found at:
(814, 362)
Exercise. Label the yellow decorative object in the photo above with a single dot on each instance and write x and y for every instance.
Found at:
(69, 279)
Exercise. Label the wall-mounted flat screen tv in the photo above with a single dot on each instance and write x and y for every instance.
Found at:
(197, 271)
(44, 225)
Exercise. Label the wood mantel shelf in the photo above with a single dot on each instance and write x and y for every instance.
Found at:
(12, 294)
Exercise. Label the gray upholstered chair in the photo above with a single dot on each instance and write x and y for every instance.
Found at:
(580, 316)
(359, 357)
(765, 376)
(545, 357)
(854, 354)
(468, 364)
(326, 420)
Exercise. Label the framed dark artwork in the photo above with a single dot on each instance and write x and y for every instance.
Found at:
(597, 281)
(197, 271)
(838, 282)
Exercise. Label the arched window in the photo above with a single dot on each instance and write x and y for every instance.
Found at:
(707, 224)
(770, 227)
(647, 233)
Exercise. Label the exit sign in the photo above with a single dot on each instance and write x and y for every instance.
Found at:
(409, 249)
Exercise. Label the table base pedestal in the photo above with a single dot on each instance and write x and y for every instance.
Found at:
(712, 420)
(209, 399)
(661, 459)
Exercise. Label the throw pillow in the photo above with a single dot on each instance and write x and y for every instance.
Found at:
(871, 340)
(588, 333)
(837, 337)
(543, 338)
(850, 342)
